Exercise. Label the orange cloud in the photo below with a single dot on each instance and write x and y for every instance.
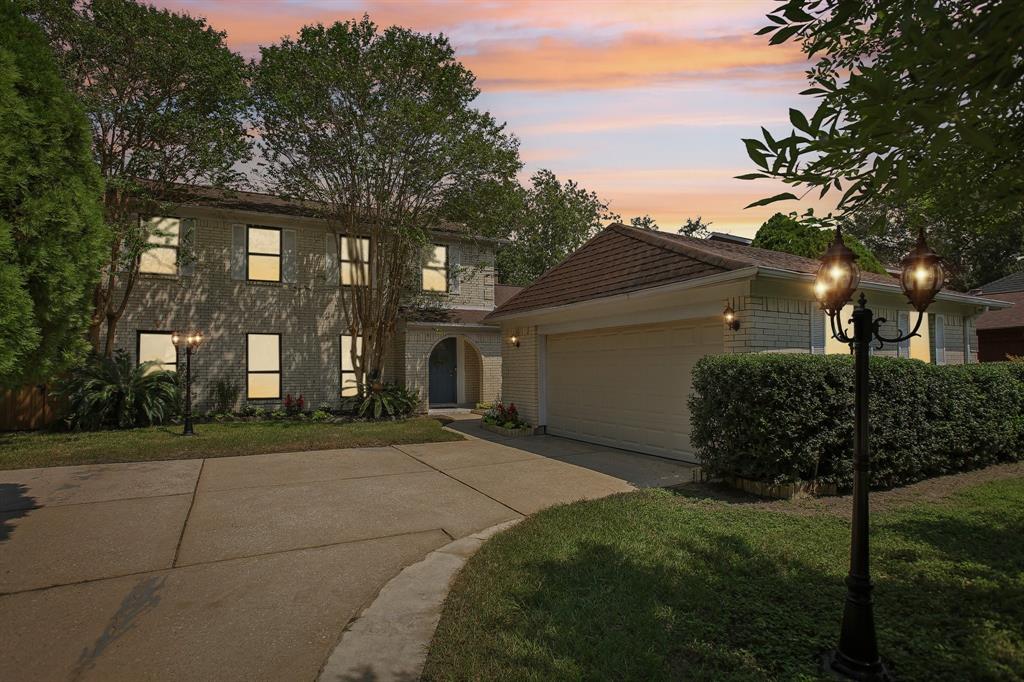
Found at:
(632, 60)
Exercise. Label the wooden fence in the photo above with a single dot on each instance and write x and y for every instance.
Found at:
(27, 408)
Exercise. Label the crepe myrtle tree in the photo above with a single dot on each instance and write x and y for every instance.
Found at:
(917, 117)
(166, 99)
(378, 128)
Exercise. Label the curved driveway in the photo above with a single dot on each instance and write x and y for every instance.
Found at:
(249, 568)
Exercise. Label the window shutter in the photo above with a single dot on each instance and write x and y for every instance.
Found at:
(454, 259)
(817, 330)
(332, 276)
(903, 322)
(940, 340)
(187, 247)
(238, 252)
(289, 257)
(967, 340)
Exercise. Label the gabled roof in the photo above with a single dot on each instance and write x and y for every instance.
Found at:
(1010, 283)
(1007, 317)
(622, 258)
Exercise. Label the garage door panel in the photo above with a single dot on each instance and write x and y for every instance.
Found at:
(628, 387)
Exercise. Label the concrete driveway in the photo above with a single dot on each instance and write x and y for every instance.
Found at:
(249, 568)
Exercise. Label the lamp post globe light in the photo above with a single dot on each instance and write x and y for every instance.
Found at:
(857, 657)
(191, 341)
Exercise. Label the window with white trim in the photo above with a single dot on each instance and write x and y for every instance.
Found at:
(162, 242)
(263, 366)
(157, 347)
(263, 254)
(435, 272)
(349, 387)
(355, 260)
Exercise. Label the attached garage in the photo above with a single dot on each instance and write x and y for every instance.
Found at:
(601, 348)
(628, 387)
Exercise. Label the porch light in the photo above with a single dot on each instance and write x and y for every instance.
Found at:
(514, 340)
(922, 276)
(838, 276)
(730, 318)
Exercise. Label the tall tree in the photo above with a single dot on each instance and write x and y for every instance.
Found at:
(378, 127)
(166, 100)
(557, 218)
(919, 115)
(803, 238)
(52, 237)
(695, 227)
(644, 222)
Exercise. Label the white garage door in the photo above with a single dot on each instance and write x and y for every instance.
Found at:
(627, 387)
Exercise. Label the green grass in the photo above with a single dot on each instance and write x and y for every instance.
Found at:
(657, 586)
(25, 450)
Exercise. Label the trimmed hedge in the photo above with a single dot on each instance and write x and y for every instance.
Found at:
(781, 418)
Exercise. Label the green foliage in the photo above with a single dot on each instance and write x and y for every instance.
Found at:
(379, 126)
(556, 219)
(787, 417)
(786, 234)
(381, 400)
(114, 392)
(225, 394)
(695, 227)
(644, 222)
(166, 99)
(918, 120)
(52, 238)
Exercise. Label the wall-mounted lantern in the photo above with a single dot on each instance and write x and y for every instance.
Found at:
(730, 318)
(514, 340)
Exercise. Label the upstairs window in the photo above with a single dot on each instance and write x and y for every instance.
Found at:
(157, 346)
(263, 366)
(349, 387)
(263, 254)
(163, 240)
(435, 272)
(355, 261)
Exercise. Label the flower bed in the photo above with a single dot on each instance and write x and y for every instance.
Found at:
(506, 421)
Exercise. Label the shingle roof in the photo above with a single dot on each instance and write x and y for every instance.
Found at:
(621, 259)
(1010, 283)
(616, 261)
(1006, 317)
(258, 202)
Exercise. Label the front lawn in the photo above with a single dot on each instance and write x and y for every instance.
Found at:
(25, 450)
(656, 585)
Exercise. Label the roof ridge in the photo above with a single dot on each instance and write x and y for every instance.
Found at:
(687, 248)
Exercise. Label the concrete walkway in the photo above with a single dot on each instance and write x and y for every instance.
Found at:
(249, 568)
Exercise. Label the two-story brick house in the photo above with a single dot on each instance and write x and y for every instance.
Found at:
(263, 282)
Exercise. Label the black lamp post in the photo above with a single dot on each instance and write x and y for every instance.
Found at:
(191, 341)
(857, 657)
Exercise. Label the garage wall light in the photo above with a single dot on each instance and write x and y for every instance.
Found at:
(730, 318)
(514, 340)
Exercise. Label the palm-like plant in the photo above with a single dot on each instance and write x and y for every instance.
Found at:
(379, 399)
(113, 392)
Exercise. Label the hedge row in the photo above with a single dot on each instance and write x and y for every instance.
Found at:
(785, 417)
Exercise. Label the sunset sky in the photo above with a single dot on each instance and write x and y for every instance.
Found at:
(643, 102)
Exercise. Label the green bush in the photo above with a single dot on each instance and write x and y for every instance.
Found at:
(225, 394)
(116, 393)
(379, 400)
(786, 417)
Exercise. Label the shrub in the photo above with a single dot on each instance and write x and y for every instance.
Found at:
(225, 394)
(116, 393)
(294, 406)
(379, 399)
(786, 417)
(505, 416)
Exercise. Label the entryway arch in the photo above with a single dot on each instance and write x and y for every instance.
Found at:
(454, 372)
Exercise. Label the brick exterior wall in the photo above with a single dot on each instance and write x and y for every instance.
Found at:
(306, 313)
(520, 371)
(420, 342)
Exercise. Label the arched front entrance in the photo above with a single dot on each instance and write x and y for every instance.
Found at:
(454, 373)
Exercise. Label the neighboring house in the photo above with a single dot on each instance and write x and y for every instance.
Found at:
(605, 342)
(1001, 332)
(263, 285)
